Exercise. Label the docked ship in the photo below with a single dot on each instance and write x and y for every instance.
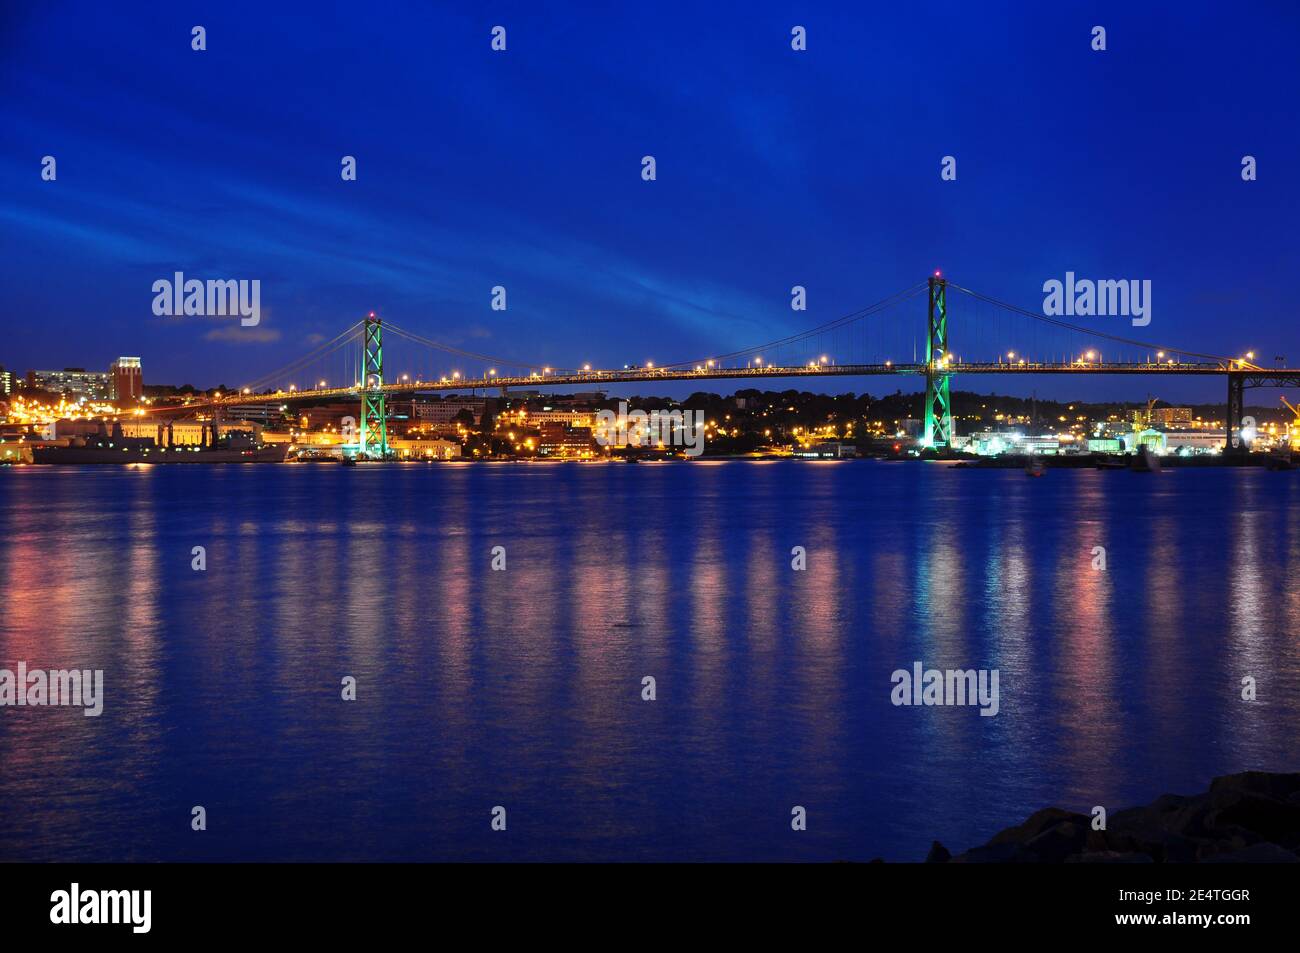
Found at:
(112, 446)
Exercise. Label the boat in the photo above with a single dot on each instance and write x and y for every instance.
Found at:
(1104, 464)
(114, 448)
(1034, 467)
(1145, 461)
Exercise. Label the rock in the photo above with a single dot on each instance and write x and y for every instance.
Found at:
(1269, 817)
(1192, 819)
(1162, 846)
(1251, 817)
(1166, 803)
(1037, 822)
(938, 854)
(1058, 842)
(1280, 786)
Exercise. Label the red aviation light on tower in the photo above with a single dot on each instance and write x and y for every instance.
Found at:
(937, 273)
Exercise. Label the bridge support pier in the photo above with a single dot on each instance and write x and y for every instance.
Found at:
(938, 407)
(1233, 445)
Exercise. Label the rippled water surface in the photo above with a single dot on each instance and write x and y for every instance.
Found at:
(522, 688)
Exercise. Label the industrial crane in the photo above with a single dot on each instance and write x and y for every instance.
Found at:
(1142, 419)
(1295, 424)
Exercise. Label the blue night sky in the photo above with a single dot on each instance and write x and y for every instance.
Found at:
(522, 169)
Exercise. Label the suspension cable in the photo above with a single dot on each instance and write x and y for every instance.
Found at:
(1047, 319)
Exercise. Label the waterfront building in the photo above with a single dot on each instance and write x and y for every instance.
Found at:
(827, 450)
(163, 432)
(1153, 440)
(268, 415)
(426, 448)
(76, 382)
(567, 418)
(560, 440)
(126, 380)
(1168, 418)
(446, 411)
(330, 416)
(1195, 441)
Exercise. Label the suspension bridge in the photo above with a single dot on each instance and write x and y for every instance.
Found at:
(885, 338)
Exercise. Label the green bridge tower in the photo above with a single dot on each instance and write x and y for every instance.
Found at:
(374, 422)
(938, 407)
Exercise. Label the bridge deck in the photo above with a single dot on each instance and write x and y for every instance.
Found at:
(656, 375)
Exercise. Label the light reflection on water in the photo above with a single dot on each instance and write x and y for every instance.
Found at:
(523, 688)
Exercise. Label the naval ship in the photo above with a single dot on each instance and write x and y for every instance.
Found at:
(113, 447)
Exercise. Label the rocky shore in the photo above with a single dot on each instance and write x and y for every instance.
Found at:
(1253, 817)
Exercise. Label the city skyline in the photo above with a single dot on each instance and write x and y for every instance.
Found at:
(817, 172)
(852, 434)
